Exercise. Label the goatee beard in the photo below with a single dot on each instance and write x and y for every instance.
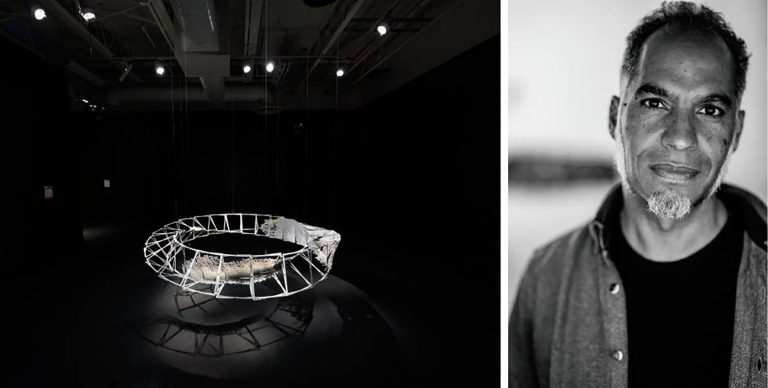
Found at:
(668, 204)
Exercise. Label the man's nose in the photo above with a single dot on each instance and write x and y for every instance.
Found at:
(680, 131)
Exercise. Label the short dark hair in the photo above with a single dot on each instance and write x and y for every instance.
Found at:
(690, 16)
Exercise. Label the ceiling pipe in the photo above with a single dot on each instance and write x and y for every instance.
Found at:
(126, 13)
(403, 44)
(355, 9)
(378, 43)
(163, 22)
(195, 44)
(252, 27)
(118, 97)
(363, 37)
(215, 88)
(85, 74)
(253, 15)
(76, 25)
(199, 33)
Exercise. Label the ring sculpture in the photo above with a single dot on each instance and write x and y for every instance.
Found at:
(241, 276)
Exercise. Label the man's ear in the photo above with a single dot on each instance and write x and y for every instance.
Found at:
(613, 115)
(737, 132)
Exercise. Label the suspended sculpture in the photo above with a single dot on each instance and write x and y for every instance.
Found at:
(243, 275)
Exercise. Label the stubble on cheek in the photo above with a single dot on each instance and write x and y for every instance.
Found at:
(723, 168)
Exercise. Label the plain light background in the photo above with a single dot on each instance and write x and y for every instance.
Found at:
(564, 62)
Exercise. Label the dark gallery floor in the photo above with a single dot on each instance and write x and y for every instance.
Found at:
(140, 331)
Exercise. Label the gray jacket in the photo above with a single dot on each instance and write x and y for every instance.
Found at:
(568, 327)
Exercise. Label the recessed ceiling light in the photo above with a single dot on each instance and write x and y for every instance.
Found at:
(382, 29)
(159, 69)
(246, 68)
(340, 73)
(39, 13)
(87, 14)
(270, 67)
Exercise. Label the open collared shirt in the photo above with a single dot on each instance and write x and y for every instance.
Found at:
(569, 324)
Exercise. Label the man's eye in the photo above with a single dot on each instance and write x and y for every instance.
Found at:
(653, 103)
(710, 110)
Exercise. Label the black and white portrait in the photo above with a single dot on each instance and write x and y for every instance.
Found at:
(637, 174)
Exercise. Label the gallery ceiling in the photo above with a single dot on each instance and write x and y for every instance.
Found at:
(203, 46)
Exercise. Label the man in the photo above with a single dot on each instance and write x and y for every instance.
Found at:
(667, 285)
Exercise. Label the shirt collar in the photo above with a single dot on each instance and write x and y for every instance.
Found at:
(750, 208)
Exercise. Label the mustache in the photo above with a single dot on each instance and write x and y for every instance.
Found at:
(688, 159)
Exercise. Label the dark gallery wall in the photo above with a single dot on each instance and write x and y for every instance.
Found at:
(39, 148)
(410, 181)
(427, 198)
(165, 165)
(36, 149)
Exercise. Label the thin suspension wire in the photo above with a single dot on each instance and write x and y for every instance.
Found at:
(173, 145)
(306, 146)
(79, 12)
(90, 40)
(277, 142)
(266, 51)
(185, 128)
(232, 152)
(182, 162)
(335, 128)
(231, 140)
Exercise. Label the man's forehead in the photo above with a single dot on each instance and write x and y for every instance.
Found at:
(687, 56)
(689, 39)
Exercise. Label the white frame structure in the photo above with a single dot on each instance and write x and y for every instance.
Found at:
(236, 276)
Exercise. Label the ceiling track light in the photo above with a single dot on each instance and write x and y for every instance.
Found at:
(382, 29)
(88, 14)
(339, 73)
(270, 66)
(159, 69)
(38, 12)
(247, 67)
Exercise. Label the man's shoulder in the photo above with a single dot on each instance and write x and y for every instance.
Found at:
(563, 251)
(750, 210)
(752, 201)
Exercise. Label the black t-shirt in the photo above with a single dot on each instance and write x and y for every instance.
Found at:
(680, 314)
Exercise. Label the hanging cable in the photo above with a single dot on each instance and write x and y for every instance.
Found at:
(182, 146)
(306, 145)
(232, 152)
(231, 137)
(277, 144)
(185, 129)
(266, 133)
(335, 129)
(266, 52)
(173, 146)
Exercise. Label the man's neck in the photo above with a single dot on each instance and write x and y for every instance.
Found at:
(666, 240)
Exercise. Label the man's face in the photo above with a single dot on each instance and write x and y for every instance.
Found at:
(678, 116)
